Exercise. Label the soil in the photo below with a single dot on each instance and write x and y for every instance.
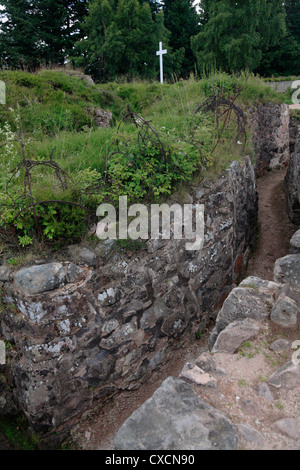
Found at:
(245, 370)
(275, 228)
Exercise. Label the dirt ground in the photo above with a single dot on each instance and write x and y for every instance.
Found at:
(275, 228)
(244, 373)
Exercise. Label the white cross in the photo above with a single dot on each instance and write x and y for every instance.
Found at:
(161, 52)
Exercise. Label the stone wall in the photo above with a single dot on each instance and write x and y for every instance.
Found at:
(83, 329)
(270, 135)
(292, 180)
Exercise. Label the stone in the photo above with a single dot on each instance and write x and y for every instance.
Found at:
(38, 279)
(175, 418)
(280, 345)
(88, 257)
(288, 426)
(295, 242)
(250, 407)
(251, 299)
(292, 182)
(285, 312)
(249, 433)
(207, 363)
(102, 117)
(231, 338)
(287, 270)
(286, 377)
(265, 392)
(197, 376)
(74, 273)
(5, 272)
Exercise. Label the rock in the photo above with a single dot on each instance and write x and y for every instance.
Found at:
(250, 407)
(265, 392)
(197, 376)
(2, 353)
(175, 418)
(286, 377)
(74, 273)
(207, 363)
(5, 272)
(249, 433)
(295, 242)
(231, 338)
(280, 345)
(102, 117)
(38, 279)
(292, 183)
(252, 299)
(88, 257)
(289, 426)
(287, 270)
(285, 312)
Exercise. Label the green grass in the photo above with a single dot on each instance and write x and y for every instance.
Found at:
(53, 109)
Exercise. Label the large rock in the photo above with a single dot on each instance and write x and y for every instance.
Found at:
(287, 270)
(286, 377)
(231, 338)
(285, 312)
(175, 418)
(252, 299)
(295, 243)
(38, 279)
(289, 426)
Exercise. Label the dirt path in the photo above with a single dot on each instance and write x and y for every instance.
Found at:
(275, 228)
(97, 432)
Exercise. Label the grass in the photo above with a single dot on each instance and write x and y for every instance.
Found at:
(54, 110)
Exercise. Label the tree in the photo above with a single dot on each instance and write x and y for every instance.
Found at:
(121, 39)
(237, 33)
(283, 57)
(59, 24)
(292, 8)
(19, 45)
(40, 31)
(181, 19)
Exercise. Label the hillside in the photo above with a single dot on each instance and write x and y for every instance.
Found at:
(49, 126)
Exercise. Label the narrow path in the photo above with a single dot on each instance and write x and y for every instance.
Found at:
(275, 228)
(274, 235)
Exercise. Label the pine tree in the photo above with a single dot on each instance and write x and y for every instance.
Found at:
(121, 40)
(181, 19)
(237, 33)
(292, 8)
(40, 31)
(283, 57)
(19, 45)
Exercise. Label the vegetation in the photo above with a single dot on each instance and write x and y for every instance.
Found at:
(111, 39)
(57, 166)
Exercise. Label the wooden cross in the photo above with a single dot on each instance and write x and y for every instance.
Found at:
(161, 52)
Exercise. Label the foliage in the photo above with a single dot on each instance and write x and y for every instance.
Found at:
(39, 32)
(50, 187)
(236, 33)
(181, 20)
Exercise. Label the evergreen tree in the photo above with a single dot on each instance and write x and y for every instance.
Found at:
(292, 8)
(19, 37)
(181, 19)
(121, 40)
(40, 31)
(283, 58)
(237, 33)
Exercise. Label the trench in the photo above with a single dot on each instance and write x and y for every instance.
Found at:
(274, 233)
